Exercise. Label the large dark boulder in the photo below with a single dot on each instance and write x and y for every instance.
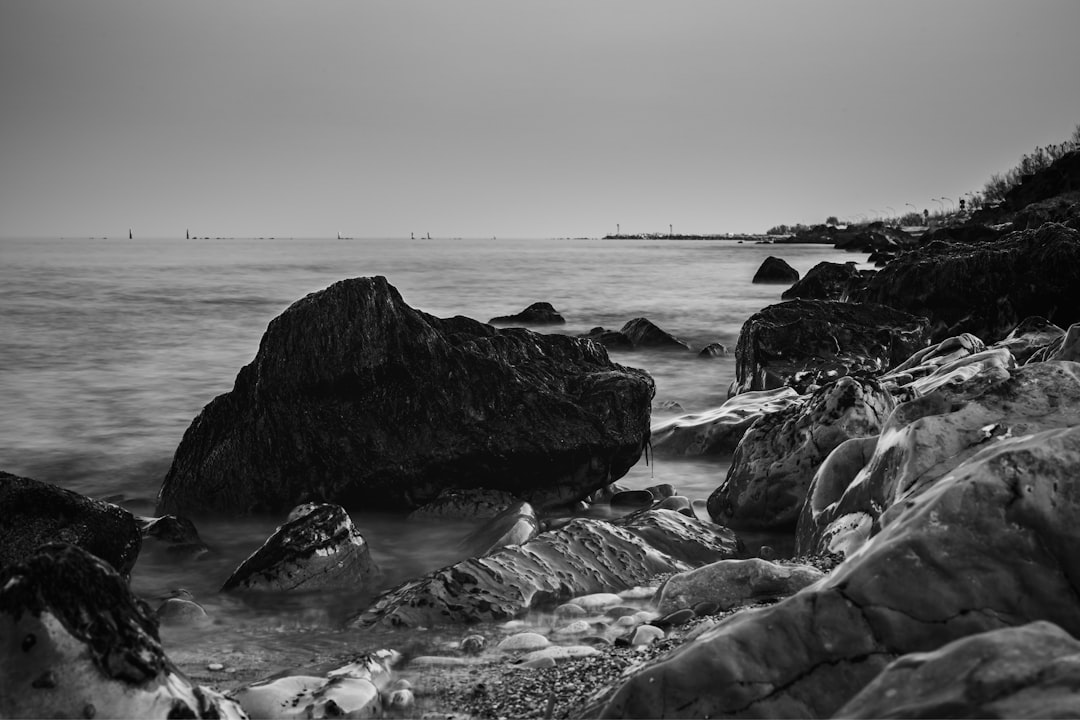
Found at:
(34, 513)
(824, 281)
(539, 313)
(74, 642)
(355, 398)
(586, 556)
(988, 288)
(991, 545)
(807, 343)
(775, 270)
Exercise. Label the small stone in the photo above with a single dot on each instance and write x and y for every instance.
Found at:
(638, 593)
(402, 699)
(439, 660)
(180, 611)
(766, 552)
(514, 624)
(523, 641)
(539, 662)
(664, 490)
(627, 621)
(473, 644)
(673, 619)
(570, 610)
(215, 666)
(578, 627)
(597, 602)
(707, 607)
(646, 635)
(645, 616)
(619, 610)
(630, 499)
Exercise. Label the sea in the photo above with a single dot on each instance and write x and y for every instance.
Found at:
(109, 348)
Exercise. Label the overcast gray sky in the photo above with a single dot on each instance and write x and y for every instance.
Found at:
(530, 119)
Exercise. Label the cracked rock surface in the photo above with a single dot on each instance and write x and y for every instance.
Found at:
(991, 545)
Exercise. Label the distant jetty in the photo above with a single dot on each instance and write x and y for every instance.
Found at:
(681, 236)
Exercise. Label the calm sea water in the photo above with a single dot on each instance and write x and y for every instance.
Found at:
(109, 348)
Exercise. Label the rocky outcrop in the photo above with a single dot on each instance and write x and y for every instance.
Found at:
(34, 513)
(357, 399)
(991, 545)
(318, 548)
(586, 556)
(937, 360)
(74, 642)
(1062, 177)
(1029, 337)
(611, 339)
(731, 583)
(824, 281)
(718, 431)
(1022, 672)
(1066, 347)
(775, 270)
(807, 343)
(988, 288)
(539, 313)
(776, 459)
(926, 438)
(643, 333)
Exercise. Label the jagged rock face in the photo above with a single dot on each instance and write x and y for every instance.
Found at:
(775, 270)
(586, 556)
(643, 333)
(539, 313)
(806, 343)
(776, 459)
(988, 288)
(74, 642)
(991, 545)
(718, 431)
(824, 281)
(929, 361)
(926, 438)
(34, 513)
(1023, 672)
(318, 548)
(356, 398)
(730, 583)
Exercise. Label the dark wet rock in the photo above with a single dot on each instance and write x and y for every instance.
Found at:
(466, 504)
(74, 642)
(1066, 347)
(775, 462)
(1029, 337)
(1064, 209)
(824, 281)
(177, 535)
(644, 334)
(318, 549)
(1029, 671)
(539, 313)
(876, 237)
(181, 611)
(611, 339)
(662, 490)
(707, 607)
(805, 343)
(775, 270)
(604, 494)
(516, 525)
(628, 499)
(718, 431)
(713, 350)
(968, 233)
(988, 288)
(356, 398)
(587, 556)
(927, 438)
(678, 503)
(731, 583)
(34, 513)
(991, 545)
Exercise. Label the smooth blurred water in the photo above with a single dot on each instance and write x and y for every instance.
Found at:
(109, 348)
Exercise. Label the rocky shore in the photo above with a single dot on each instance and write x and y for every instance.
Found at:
(913, 432)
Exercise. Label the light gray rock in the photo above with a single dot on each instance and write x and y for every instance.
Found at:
(526, 641)
(718, 431)
(1029, 337)
(516, 525)
(730, 583)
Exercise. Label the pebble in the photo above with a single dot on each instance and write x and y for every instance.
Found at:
(646, 635)
(514, 624)
(437, 660)
(400, 684)
(402, 699)
(619, 610)
(538, 663)
(706, 608)
(632, 499)
(766, 552)
(523, 641)
(473, 644)
(678, 617)
(597, 602)
(562, 652)
(215, 666)
(638, 593)
(645, 616)
(627, 621)
(578, 627)
(679, 504)
(568, 610)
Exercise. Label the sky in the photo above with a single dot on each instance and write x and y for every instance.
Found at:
(478, 118)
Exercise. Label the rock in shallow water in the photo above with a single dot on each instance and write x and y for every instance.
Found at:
(539, 313)
(775, 270)
(74, 642)
(356, 398)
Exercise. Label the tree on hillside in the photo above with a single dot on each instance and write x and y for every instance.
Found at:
(832, 220)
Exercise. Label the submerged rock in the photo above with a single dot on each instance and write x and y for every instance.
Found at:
(775, 270)
(807, 343)
(34, 513)
(74, 642)
(586, 556)
(358, 399)
(539, 313)
(991, 545)
(718, 431)
(775, 462)
(177, 535)
(318, 548)
(1029, 671)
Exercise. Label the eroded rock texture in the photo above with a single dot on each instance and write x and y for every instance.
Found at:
(991, 545)
(74, 642)
(357, 399)
(718, 431)
(824, 281)
(586, 556)
(806, 343)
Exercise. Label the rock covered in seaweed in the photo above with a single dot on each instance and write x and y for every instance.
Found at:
(76, 643)
(586, 556)
(34, 513)
(358, 399)
(318, 548)
(806, 343)
(824, 281)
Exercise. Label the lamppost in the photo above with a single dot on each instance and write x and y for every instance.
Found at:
(941, 205)
(913, 208)
(950, 202)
